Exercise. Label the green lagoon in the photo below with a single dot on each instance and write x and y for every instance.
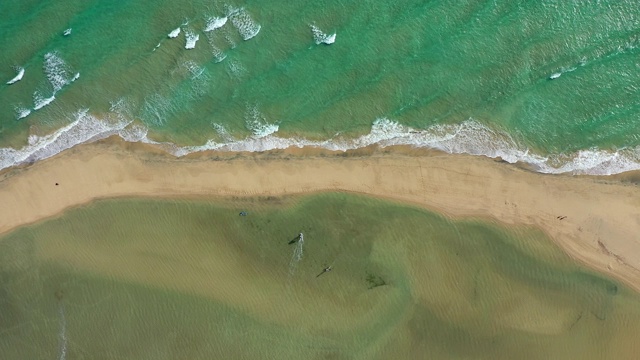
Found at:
(193, 279)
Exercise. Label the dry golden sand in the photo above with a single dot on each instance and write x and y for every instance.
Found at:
(600, 229)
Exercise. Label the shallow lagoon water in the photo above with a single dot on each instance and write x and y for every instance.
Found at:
(166, 279)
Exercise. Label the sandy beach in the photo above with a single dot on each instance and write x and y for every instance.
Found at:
(594, 219)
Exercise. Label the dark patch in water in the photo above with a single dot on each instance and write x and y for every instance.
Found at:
(375, 281)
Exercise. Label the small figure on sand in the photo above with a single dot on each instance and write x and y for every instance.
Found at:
(326, 270)
(561, 217)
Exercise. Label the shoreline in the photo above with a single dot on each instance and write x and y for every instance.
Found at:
(468, 137)
(599, 229)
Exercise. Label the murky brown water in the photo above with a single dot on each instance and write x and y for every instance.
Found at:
(178, 279)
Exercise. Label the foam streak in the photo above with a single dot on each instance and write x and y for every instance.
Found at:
(320, 37)
(244, 23)
(215, 23)
(468, 137)
(17, 78)
(191, 39)
(174, 33)
(63, 334)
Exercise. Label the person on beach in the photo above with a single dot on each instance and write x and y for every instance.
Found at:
(296, 239)
(326, 270)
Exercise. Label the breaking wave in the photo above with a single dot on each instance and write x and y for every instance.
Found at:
(18, 76)
(215, 23)
(21, 112)
(40, 101)
(84, 128)
(56, 70)
(257, 123)
(320, 37)
(468, 137)
(244, 23)
(174, 33)
(191, 39)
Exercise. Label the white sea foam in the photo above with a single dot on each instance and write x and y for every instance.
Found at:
(243, 22)
(229, 39)
(330, 39)
(194, 69)
(297, 255)
(122, 110)
(235, 69)
(174, 33)
(320, 37)
(62, 335)
(215, 23)
(563, 70)
(218, 54)
(134, 133)
(84, 128)
(257, 123)
(40, 101)
(199, 78)
(22, 112)
(56, 70)
(594, 162)
(469, 137)
(262, 130)
(222, 132)
(191, 39)
(18, 76)
(156, 109)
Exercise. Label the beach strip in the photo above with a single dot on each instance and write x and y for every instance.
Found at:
(594, 219)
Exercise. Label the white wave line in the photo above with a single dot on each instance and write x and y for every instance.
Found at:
(468, 137)
(63, 333)
(18, 76)
(297, 255)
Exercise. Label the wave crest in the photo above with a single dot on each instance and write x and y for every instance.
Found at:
(56, 70)
(85, 128)
(191, 38)
(215, 23)
(244, 23)
(174, 33)
(468, 137)
(18, 76)
(320, 37)
(257, 123)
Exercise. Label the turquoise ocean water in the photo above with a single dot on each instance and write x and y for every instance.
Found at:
(551, 83)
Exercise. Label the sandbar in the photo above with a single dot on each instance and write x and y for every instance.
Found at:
(595, 220)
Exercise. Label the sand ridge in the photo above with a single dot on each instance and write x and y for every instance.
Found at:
(593, 220)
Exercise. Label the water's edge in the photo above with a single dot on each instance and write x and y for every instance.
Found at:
(469, 137)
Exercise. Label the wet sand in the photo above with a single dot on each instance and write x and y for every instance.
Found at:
(594, 219)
